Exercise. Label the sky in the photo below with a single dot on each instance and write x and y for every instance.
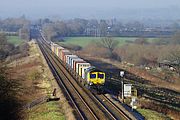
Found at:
(81, 8)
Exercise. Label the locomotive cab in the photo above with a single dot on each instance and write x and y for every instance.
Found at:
(94, 76)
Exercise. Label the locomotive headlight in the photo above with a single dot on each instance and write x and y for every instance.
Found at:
(90, 83)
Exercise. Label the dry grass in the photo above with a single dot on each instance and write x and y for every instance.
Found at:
(154, 106)
(133, 53)
(155, 81)
(137, 71)
(152, 115)
(37, 80)
(48, 111)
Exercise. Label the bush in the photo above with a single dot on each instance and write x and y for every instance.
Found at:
(145, 54)
(96, 50)
(34, 75)
(161, 108)
(9, 104)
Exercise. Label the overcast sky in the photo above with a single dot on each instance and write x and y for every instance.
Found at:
(79, 8)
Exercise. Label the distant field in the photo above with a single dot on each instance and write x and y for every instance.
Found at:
(14, 40)
(84, 41)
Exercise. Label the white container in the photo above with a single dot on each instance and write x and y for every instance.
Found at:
(73, 62)
(71, 58)
(68, 57)
(80, 68)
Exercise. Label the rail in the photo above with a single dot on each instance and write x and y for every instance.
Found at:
(104, 108)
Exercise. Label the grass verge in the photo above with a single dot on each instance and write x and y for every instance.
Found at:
(47, 111)
(152, 115)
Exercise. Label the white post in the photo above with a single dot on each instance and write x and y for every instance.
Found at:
(122, 83)
(122, 90)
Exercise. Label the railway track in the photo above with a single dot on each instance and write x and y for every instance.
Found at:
(117, 110)
(73, 95)
(161, 95)
(87, 105)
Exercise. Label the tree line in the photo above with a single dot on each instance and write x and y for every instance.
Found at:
(13, 24)
(9, 49)
(56, 30)
(16, 26)
(140, 52)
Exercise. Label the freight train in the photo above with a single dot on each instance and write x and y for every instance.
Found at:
(89, 75)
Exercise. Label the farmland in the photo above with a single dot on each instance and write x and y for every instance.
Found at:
(14, 40)
(156, 92)
(84, 41)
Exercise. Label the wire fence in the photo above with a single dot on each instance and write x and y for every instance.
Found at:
(35, 102)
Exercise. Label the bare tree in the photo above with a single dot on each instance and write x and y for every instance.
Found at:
(103, 26)
(24, 33)
(141, 41)
(49, 31)
(3, 46)
(9, 102)
(3, 40)
(176, 38)
(110, 45)
(174, 57)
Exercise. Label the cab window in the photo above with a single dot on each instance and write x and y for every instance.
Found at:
(101, 76)
(92, 75)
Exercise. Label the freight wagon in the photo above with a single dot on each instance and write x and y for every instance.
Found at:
(90, 75)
